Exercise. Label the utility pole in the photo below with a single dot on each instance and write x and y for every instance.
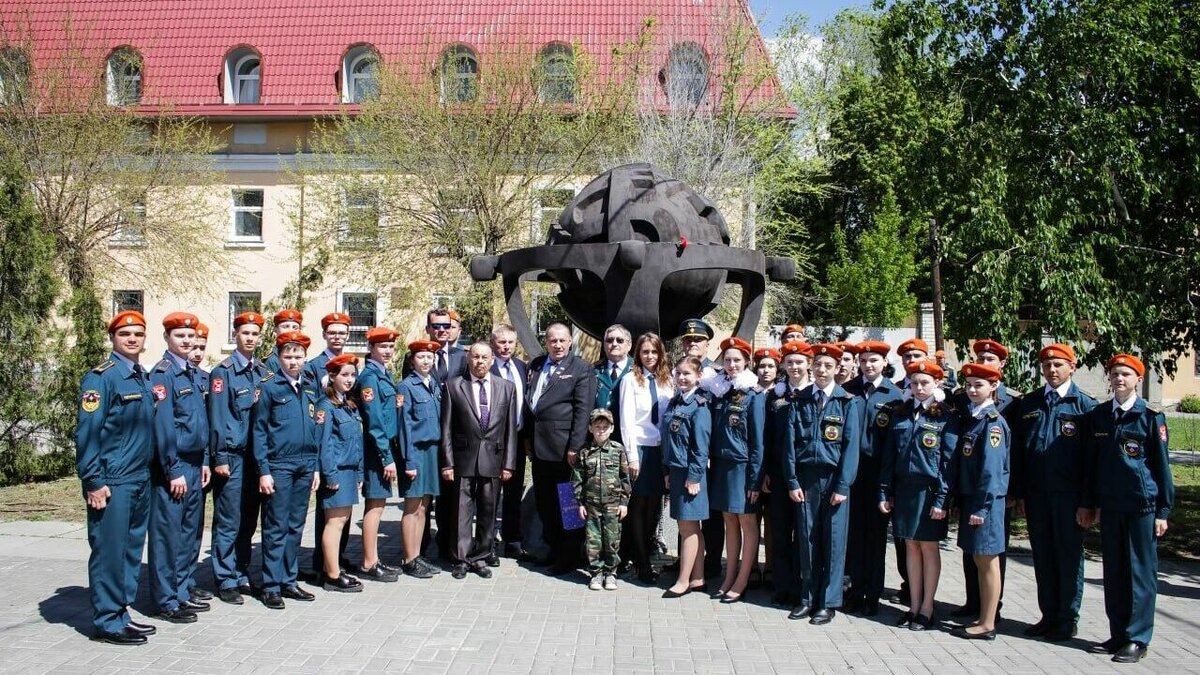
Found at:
(938, 341)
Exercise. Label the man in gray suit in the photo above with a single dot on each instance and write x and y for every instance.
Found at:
(478, 452)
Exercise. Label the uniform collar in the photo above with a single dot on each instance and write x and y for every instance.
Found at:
(978, 411)
(287, 378)
(1062, 390)
(182, 364)
(240, 361)
(128, 363)
(828, 391)
(328, 354)
(382, 368)
(1127, 405)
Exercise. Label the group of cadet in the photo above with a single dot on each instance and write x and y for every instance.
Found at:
(801, 443)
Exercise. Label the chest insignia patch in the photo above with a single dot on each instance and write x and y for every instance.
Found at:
(929, 439)
(160, 392)
(882, 419)
(1133, 449)
(312, 410)
(1068, 428)
(968, 446)
(832, 433)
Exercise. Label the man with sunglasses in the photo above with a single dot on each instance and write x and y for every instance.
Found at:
(611, 368)
(450, 361)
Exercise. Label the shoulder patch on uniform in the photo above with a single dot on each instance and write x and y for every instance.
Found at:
(1162, 433)
(90, 401)
(320, 417)
(217, 385)
(367, 394)
(162, 366)
(994, 436)
(104, 366)
(268, 376)
(227, 363)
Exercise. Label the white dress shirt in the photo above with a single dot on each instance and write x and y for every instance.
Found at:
(637, 426)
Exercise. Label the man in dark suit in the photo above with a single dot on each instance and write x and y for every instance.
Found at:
(509, 367)
(562, 389)
(478, 452)
(609, 371)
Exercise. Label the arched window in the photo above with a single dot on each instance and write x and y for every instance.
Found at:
(556, 75)
(459, 75)
(124, 75)
(243, 76)
(687, 74)
(14, 75)
(360, 75)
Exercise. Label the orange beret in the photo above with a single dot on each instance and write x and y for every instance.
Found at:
(831, 350)
(180, 320)
(873, 347)
(381, 334)
(248, 317)
(989, 373)
(767, 353)
(424, 346)
(336, 317)
(1057, 351)
(293, 337)
(796, 347)
(793, 328)
(846, 347)
(912, 344)
(453, 315)
(939, 354)
(335, 364)
(288, 315)
(1129, 361)
(127, 318)
(737, 343)
(927, 367)
(201, 331)
(986, 346)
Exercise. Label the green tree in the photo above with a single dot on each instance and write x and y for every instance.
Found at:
(869, 286)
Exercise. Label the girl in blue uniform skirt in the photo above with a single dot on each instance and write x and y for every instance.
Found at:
(979, 472)
(341, 465)
(913, 484)
(420, 433)
(687, 426)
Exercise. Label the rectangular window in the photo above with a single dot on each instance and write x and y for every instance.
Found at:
(250, 134)
(247, 216)
(239, 302)
(361, 218)
(130, 229)
(361, 308)
(549, 205)
(128, 300)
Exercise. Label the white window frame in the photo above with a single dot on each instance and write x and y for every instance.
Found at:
(123, 75)
(235, 209)
(342, 295)
(685, 86)
(232, 311)
(553, 57)
(234, 80)
(356, 58)
(451, 77)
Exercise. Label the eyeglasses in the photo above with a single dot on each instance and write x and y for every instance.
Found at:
(440, 326)
(614, 340)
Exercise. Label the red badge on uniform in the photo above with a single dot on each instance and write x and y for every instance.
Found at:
(368, 394)
(399, 400)
(160, 392)
(1162, 433)
(218, 385)
(320, 417)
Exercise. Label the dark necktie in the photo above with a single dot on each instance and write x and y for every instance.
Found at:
(820, 400)
(870, 389)
(441, 366)
(1051, 398)
(485, 415)
(613, 374)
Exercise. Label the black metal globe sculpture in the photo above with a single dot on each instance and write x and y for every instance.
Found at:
(639, 248)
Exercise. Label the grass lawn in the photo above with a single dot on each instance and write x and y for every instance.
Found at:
(60, 499)
(1185, 433)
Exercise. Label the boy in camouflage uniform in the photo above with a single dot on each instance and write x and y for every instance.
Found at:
(602, 488)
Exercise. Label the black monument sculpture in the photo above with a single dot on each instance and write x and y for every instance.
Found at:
(639, 248)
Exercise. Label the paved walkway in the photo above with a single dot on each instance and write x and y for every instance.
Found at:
(522, 621)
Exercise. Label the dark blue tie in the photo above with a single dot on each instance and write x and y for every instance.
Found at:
(485, 415)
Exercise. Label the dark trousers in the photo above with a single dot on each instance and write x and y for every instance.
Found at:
(251, 515)
(641, 524)
(227, 521)
(565, 545)
(1057, 543)
(283, 523)
(971, 571)
(866, 551)
(117, 535)
(176, 526)
(902, 565)
(1130, 574)
(511, 494)
(476, 499)
(318, 555)
(713, 528)
(782, 521)
(820, 538)
(445, 514)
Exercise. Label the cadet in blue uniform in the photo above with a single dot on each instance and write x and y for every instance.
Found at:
(913, 350)
(780, 400)
(913, 484)
(694, 336)
(233, 389)
(420, 436)
(335, 328)
(340, 462)
(687, 430)
(382, 450)
(866, 552)
(822, 436)
(285, 320)
(196, 356)
(181, 435)
(1127, 476)
(979, 475)
(735, 474)
(1047, 464)
(285, 442)
(767, 369)
(114, 446)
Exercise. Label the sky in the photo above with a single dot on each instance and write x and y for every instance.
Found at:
(770, 13)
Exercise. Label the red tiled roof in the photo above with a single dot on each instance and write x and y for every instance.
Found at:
(183, 43)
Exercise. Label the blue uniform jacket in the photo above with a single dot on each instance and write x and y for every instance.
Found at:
(232, 391)
(980, 468)
(777, 406)
(420, 417)
(1047, 450)
(202, 378)
(272, 363)
(341, 439)
(686, 432)
(827, 438)
(1126, 467)
(918, 451)
(114, 432)
(878, 407)
(180, 415)
(738, 419)
(285, 423)
(315, 368)
(379, 405)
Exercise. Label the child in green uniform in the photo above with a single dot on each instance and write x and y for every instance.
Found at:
(602, 488)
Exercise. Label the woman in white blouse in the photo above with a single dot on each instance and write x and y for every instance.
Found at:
(645, 393)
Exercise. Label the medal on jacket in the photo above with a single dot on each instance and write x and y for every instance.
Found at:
(675, 424)
(312, 410)
(735, 420)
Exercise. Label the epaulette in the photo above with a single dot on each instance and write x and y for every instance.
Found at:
(108, 363)
(268, 376)
(1156, 411)
(992, 414)
(227, 363)
(700, 400)
(162, 366)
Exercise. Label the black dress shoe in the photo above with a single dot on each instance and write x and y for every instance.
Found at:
(141, 628)
(962, 632)
(272, 600)
(343, 584)
(731, 597)
(800, 612)
(1038, 629)
(822, 616)
(459, 571)
(124, 637)
(869, 608)
(717, 594)
(386, 568)
(1062, 633)
(1109, 646)
(851, 604)
(429, 566)
(297, 593)
(1130, 653)
(492, 560)
(376, 573)
(625, 567)
(921, 622)
(177, 615)
(231, 596)
(482, 570)
(905, 619)
(247, 589)
(200, 594)
(964, 612)
(416, 570)
(514, 551)
(669, 594)
(195, 606)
